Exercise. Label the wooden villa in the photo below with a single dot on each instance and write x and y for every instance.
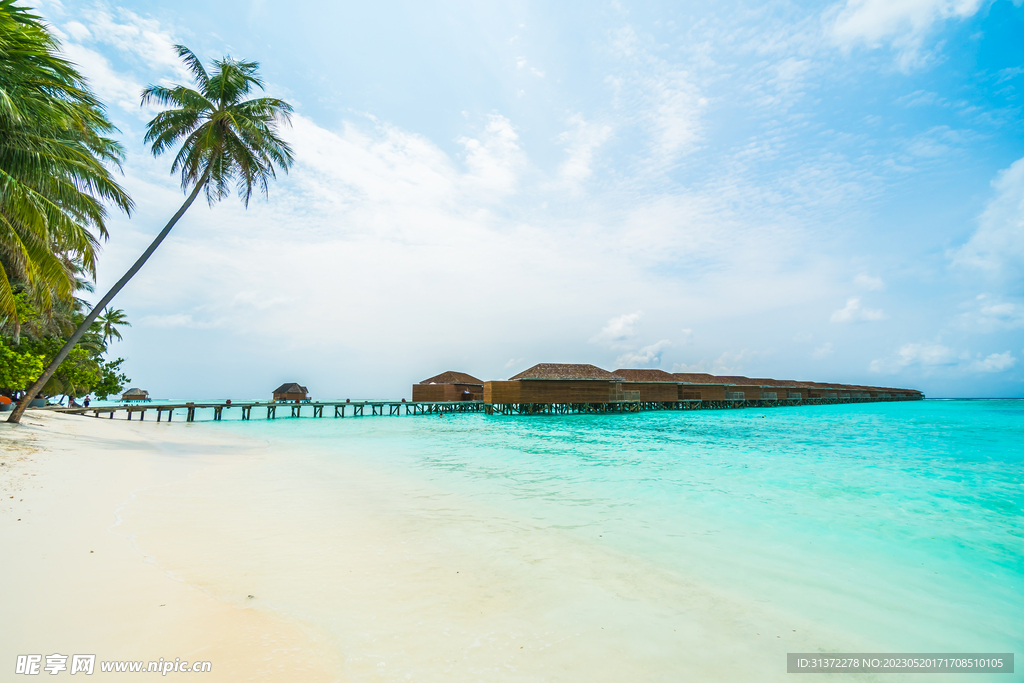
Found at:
(556, 383)
(648, 385)
(449, 386)
(561, 387)
(292, 392)
(134, 394)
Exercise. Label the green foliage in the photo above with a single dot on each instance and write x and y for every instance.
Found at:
(55, 160)
(18, 369)
(224, 137)
(26, 348)
(109, 321)
(112, 380)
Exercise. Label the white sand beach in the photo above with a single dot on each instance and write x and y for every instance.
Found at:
(73, 583)
(135, 541)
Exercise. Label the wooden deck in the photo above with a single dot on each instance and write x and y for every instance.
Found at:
(276, 409)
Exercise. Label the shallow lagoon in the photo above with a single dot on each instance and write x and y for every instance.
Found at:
(672, 538)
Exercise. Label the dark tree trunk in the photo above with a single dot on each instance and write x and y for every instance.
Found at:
(98, 308)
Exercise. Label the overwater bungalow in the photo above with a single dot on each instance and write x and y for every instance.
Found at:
(647, 384)
(290, 391)
(449, 386)
(699, 386)
(134, 394)
(556, 383)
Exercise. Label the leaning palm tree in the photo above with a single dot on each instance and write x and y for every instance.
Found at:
(226, 139)
(109, 321)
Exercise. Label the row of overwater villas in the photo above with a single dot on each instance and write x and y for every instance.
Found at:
(570, 383)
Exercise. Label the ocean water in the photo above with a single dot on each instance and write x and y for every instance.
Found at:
(696, 545)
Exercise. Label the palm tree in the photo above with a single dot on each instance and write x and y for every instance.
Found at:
(225, 139)
(109, 322)
(54, 159)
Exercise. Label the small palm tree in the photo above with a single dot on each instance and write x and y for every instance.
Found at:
(225, 139)
(110, 320)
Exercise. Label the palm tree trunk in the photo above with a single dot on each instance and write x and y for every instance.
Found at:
(98, 308)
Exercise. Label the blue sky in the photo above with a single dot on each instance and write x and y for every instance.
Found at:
(827, 191)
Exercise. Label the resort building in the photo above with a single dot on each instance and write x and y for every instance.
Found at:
(648, 385)
(290, 391)
(449, 386)
(556, 383)
(134, 394)
(699, 386)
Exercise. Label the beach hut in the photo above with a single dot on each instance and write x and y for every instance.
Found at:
(290, 391)
(556, 383)
(449, 386)
(134, 394)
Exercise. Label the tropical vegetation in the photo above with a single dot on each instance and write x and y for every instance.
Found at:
(25, 350)
(56, 163)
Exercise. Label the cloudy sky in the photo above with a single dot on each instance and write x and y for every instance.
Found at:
(798, 190)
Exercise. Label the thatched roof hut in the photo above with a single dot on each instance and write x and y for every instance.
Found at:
(134, 394)
(452, 377)
(449, 386)
(291, 391)
(564, 371)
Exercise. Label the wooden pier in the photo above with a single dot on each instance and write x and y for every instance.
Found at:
(276, 409)
(341, 409)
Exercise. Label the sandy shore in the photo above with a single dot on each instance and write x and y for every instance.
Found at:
(72, 583)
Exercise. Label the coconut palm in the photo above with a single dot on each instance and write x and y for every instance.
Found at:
(54, 158)
(110, 320)
(226, 139)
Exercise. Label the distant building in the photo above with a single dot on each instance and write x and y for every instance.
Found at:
(556, 383)
(291, 392)
(449, 386)
(135, 395)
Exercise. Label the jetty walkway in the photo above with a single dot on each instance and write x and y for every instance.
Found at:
(340, 409)
(312, 408)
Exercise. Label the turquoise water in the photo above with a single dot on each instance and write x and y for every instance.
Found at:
(895, 526)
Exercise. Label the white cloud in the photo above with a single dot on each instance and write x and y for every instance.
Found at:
(997, 246)
(495, 159)
(729, 363)
(928, 355)
(989, 314)
(618, 330)
(823, 351)
(675, 114)
(854, 312)
(903, 24)
(865, 281)
(110, 85)
(995, 362)
(648, 356)
(687, 337)
(581, 142)
(175, 320)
